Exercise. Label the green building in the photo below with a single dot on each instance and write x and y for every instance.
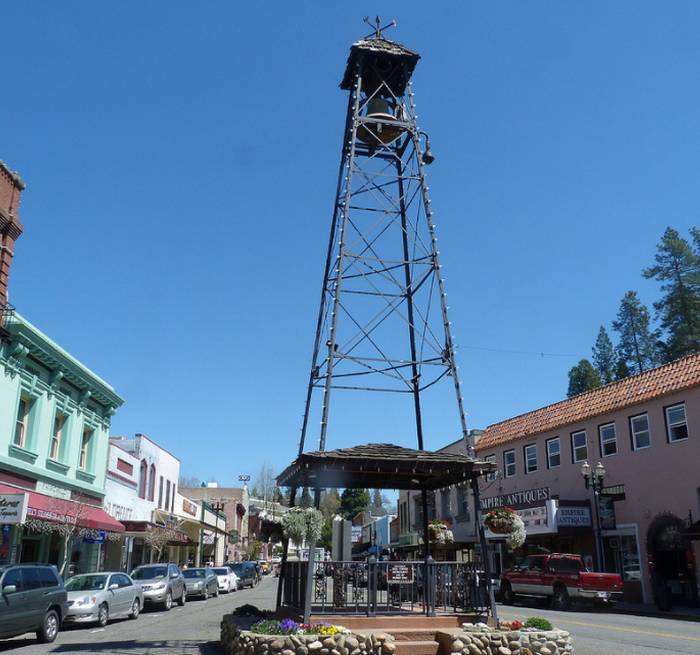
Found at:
(55, 417)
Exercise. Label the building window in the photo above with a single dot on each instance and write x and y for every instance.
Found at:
(445, 503)
(553, 453)
(490, 477)
(167, 495)
(608, 439)
(124, 466)
(579, 446)
(56, 436)
(639, 429)
(22, 424)
(676, 424)
(152, 483)
(530, 452)
(509, 463)
(160, 492)
(172, 501)
(85, 449)
(142, 479)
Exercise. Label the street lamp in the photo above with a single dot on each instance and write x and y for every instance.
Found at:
(217, 507)
(594, 480)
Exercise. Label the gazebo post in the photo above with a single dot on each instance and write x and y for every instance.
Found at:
(484, 546)
(285, 553)
(309, 585)
(427, 591)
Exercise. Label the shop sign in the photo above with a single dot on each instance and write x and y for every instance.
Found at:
(356, 534)
(233, 537)
(13, 508)
(533, 516)
(399, 574)
(54, 490)
(208, 537)
(606, 508)
(189, 507)
(99, 539)
(517, 499)
(574, 517)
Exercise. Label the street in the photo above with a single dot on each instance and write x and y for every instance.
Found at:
(189, 630)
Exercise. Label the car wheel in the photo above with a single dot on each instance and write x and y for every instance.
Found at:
(168, 602)
(183, 597)
(560, 598)
(49, 628)
(507, 594)
(216, 592)
(102, 615)
(135, 609)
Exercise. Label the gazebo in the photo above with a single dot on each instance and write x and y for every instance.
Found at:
(371, 587)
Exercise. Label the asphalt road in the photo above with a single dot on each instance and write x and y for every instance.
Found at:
(189, 630)
(194, 630)
(608, 633)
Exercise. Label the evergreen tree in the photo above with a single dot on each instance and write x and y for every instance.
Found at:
(582, 377)
(677, 268)
(278, 496)
(330, 502)
(637, 345)
(305, 500)
(354, 501)
(604, 356)
(621, 369)
(377, 499)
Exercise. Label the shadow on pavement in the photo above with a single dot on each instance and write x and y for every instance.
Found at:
(130, 646)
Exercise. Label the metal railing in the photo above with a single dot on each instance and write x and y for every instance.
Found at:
(7, 312)
(385, 587)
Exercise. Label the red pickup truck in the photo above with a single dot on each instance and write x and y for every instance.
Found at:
(561, 577)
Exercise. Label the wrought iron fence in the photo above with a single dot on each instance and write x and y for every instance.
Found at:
(372, 587)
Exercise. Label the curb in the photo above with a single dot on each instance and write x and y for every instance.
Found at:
(655, 614)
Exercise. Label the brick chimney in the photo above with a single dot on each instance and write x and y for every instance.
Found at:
(11, 187)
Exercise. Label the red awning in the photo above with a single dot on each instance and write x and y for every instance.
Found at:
(59, 510)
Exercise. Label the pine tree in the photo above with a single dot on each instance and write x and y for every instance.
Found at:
(604, 356)
(637, 346)
(582, 377)
(330, 502)
(677, 268)
(621, 369)
(305, 500)
(354, 501)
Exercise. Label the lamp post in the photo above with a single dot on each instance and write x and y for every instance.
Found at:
(217, 507)
(594, 477)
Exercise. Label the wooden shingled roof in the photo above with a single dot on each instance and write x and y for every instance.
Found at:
(654, 383)
(381, 466)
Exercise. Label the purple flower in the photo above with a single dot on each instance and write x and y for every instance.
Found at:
(287, 625)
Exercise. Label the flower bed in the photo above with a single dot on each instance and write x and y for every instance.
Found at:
(297, 639)
(480, 639)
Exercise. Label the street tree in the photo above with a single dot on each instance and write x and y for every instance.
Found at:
(330, 502)
(604, 356)
(637, 345)
(677, 269)
(264, 483)
(354, 501)
(189, 482)
(582, 377)
(305, 500)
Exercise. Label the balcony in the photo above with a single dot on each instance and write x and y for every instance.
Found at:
(7, 313)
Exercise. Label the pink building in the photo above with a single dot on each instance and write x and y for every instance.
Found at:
(645, 430)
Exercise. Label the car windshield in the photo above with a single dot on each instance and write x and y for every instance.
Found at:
(238, 568)
(221, 571)
(150, 572)
(193, 573)
(86, 583)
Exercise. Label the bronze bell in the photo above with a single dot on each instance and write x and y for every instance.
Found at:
(373, 133)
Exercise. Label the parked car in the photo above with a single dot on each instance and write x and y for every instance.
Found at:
(161, 584)
(202, 582)
(561, 577)
(98, 597)
(246, 572)
(264, 566)
(33, 599)
(228, 580)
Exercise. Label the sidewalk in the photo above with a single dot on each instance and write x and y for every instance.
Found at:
(639, 609)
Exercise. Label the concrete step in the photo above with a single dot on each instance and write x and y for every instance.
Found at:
(412, 621)
(417, 647)
(412, 634)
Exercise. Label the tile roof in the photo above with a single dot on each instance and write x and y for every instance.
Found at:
(654, 383)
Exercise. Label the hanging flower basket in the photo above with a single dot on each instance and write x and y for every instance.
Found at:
(500, 521)
(439, 532)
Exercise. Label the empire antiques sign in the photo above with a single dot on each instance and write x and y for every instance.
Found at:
(517, 499)
(399, 573)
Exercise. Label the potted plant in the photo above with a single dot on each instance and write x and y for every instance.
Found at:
(500, 521)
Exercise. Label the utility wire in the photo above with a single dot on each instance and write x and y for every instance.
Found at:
(522, 352)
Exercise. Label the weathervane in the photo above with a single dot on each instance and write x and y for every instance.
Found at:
(377, 26)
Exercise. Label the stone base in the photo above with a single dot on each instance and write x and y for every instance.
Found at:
(480, 639)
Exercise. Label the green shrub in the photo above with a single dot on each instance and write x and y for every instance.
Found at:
(539, 623)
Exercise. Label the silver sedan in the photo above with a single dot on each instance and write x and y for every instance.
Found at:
(97, 597)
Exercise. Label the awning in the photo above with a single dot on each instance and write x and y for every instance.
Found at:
(59, 510)
(138, 528)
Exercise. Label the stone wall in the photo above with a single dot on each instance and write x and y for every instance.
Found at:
(479, 639)
(235, 641)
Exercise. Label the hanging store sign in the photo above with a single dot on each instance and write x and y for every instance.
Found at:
(574, 517)
(189, 507)
(13, 507)
(606, 507)
(399, 574)
(517, 499)
(356, 534)
(98, 539)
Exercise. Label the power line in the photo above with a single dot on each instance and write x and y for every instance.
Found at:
(522, 352)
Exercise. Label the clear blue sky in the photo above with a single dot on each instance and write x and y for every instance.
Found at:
(180, 161)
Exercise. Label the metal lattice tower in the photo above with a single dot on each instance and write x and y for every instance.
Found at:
(382, 323)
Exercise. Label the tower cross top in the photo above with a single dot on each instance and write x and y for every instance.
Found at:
(378, 29)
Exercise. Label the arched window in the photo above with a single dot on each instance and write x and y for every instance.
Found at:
(142, 481)
(152, 483)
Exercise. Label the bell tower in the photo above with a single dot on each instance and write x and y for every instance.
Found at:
(382, 324)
